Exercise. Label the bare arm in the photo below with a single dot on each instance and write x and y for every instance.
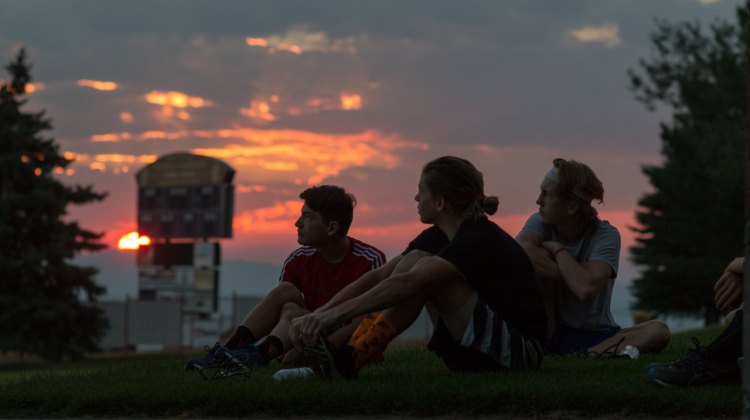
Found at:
(385, 294)
(584, 279)
(366, 282)
(728, 289)
(736, 265)
(545, 267)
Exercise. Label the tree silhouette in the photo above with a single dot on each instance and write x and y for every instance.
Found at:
(691, 225)
(46, 302)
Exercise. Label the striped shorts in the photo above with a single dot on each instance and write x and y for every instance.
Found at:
(487, 344)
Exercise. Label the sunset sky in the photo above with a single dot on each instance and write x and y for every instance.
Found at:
(358, 94)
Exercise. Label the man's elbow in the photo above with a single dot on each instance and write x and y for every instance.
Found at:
(588, 292)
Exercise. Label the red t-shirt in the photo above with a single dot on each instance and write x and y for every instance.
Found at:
(319, 280)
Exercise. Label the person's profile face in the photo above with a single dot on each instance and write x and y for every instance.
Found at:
(552, 207)
(426, 205)
(312, 230)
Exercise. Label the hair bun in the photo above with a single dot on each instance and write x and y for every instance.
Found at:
(490, 204)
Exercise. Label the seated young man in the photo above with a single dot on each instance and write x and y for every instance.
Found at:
(475, 280)
(575, 256)
(328, 261)
(718, 362)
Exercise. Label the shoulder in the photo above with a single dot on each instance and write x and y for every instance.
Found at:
(482, 230)
(430, 240)
(299, 253)
(606, 231)
(534, 224)
(367, 251)
(431, 234)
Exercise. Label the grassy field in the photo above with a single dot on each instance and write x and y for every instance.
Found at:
(411, 382)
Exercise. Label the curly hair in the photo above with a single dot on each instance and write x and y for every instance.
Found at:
(577, 181)
(333, 203)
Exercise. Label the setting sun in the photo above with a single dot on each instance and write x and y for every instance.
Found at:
(132, 241)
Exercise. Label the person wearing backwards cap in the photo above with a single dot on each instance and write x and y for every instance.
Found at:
(575, 255)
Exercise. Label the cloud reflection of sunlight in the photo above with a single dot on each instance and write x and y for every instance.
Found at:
(350, 102)
(278, 218)
(300, 40)
(126, 117)
(176, 99)
(35, 87)
(607, 34)
(303, 156)
(98, 84)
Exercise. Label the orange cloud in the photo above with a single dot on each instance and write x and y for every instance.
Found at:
(607, 34)
(110, 137)
(299, 40)
(243, 189)
(126, 117)
(276, 219)
(35, 87)
(351, 102)
(256, 42)
(116, 163)
(176, 99)
(287, 155)
(98, 84)
(312, 156)
(119, 158)
(259, 111)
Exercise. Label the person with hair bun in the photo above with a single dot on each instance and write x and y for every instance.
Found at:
(476, 282)
(576, 256)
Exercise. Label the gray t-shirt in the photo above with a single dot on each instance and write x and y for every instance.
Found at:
(603, 244)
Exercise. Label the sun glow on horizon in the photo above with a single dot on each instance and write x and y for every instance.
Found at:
(132, 241)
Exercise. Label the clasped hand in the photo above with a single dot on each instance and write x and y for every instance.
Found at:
(306, 329)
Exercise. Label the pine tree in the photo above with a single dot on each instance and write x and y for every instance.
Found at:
(46, 302)
(691, 225)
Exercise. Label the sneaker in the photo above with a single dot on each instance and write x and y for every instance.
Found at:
(238, 363)
(611, 352)
(294, 373)
(694, 369)
(213, 359)
(329, 362)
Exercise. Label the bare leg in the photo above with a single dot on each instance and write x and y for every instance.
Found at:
(454, 303)
(400, 316)
(648, 337)
(281, 330)
(262, 319)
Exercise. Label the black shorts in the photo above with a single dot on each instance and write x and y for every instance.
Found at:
(494, 346)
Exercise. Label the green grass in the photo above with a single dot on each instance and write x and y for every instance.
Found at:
(411, 382)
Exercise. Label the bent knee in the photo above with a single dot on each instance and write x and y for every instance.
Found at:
(659, 333)
(292, 310)
(285, 292)
(409, 260)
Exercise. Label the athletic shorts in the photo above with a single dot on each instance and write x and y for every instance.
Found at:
(567, 340)
(487, 345)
